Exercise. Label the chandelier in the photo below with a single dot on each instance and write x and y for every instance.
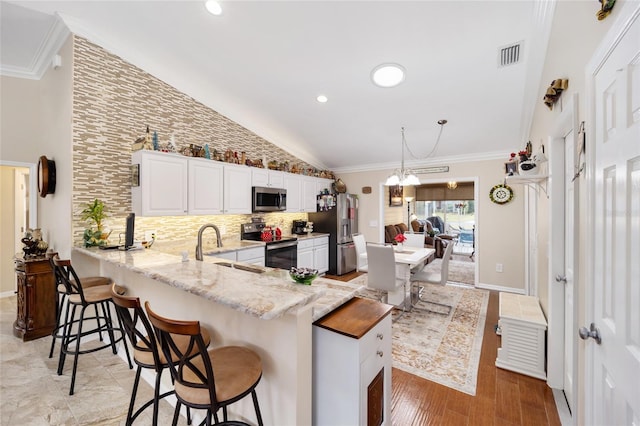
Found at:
(402, 176)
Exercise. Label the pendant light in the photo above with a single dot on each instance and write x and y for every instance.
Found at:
(402, 176)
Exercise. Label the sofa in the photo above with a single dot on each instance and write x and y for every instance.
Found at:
(439, 244)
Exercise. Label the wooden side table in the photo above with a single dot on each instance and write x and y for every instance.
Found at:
(36, 296)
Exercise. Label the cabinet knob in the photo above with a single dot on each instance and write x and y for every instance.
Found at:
(380, 336)
(380, 354)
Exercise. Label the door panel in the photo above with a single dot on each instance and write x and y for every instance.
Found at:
(615, 363)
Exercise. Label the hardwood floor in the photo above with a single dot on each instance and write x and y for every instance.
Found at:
(502, 397)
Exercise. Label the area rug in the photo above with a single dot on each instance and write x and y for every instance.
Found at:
(442, 348)
(461, 271)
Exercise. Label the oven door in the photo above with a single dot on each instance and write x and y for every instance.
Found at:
(282, 255)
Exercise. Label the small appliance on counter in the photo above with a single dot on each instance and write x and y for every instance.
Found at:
(299, 227)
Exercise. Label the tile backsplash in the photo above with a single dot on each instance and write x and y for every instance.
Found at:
(113, 102)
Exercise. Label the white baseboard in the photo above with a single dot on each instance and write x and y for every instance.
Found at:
(500, 288)
(562, 407)
(7, 294)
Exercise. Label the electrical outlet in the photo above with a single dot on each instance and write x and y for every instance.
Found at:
(498, 267)
(147, 235)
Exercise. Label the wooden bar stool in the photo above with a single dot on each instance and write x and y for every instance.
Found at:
(211, 379)
(98, 297)
(62, 294)
(145, 349)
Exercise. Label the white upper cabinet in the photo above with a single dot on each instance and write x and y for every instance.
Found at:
(206, 186)
(174, 185)
(309, 194)
(267, 178)
(237, 189)
(162, 186)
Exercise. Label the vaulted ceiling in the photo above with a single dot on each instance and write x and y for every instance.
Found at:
(263, 63)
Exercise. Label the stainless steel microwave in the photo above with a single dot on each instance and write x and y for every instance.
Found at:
(268, 199)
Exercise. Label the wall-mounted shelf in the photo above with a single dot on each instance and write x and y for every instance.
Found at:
(533, 181)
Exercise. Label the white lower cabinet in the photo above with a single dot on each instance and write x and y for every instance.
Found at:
(352, 365)
(252, 256)
(229, 255)
(314, 253)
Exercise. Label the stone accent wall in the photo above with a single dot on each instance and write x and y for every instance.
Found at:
(113, 102)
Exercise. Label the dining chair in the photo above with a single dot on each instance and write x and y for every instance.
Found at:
(206, 379)
(435, 277)
(382, 271)
(361, 252)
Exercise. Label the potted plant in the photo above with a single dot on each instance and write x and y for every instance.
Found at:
(95, 213)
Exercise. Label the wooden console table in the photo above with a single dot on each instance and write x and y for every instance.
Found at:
(36, 296)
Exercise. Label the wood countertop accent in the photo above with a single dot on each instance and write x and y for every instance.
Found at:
(355, 318)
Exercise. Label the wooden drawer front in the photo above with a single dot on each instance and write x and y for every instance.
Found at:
(305, 244)
(377, 339)
(251, 253)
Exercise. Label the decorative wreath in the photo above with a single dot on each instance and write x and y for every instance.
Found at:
(501, 194)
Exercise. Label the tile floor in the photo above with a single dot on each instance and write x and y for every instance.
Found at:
(31, 392)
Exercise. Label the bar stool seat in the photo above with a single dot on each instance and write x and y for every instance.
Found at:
(211, 379)
(61, 297)
(146, 353)
(98, 297)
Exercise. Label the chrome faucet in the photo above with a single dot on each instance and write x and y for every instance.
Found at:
(200, 231)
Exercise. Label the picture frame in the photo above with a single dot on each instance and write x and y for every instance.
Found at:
(395, 196)
(511, 168)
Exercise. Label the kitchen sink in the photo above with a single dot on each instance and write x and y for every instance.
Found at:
(247, 268)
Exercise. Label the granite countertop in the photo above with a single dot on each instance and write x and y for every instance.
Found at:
(268, 294)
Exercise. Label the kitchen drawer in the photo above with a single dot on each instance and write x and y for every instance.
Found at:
(305, 244)
(250, 253)
(322, 241)
(377, 339)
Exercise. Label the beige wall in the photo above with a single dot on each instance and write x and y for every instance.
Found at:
(499, 228)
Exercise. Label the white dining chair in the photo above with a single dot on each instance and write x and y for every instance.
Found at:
(427, 275)
(361, 252)
(382, 271)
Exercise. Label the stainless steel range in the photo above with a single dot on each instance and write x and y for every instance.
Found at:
(279, 252)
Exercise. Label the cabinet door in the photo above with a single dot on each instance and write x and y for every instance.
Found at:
(237, 189)
(205, 186)
(309, 195)
(322, 184)
(305, 258)
(259, 177)
(163, 184)
(321, 258)
(276, 179)
(293, 185)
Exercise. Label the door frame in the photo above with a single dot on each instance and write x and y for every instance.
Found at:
(567, 120)
(33, 187)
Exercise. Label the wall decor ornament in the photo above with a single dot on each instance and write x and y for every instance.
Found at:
(46, 176)
(554, 91)
(395, 196)
(605, 8)
(501, 194)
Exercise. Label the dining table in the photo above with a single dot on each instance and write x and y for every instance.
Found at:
(408, 258)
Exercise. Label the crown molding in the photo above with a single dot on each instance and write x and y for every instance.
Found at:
(41, 61)
(439, 161)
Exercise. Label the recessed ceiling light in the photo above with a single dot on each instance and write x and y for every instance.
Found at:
(322, 99)
(388, 75)
(213, 7)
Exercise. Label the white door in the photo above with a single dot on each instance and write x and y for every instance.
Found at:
(614, 365)
(571, 230)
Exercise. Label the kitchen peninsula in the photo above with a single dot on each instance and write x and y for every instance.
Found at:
(245, 305)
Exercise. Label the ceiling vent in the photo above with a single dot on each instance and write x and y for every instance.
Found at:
(509, 55)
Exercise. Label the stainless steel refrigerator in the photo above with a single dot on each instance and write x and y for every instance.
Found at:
(340, 221)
